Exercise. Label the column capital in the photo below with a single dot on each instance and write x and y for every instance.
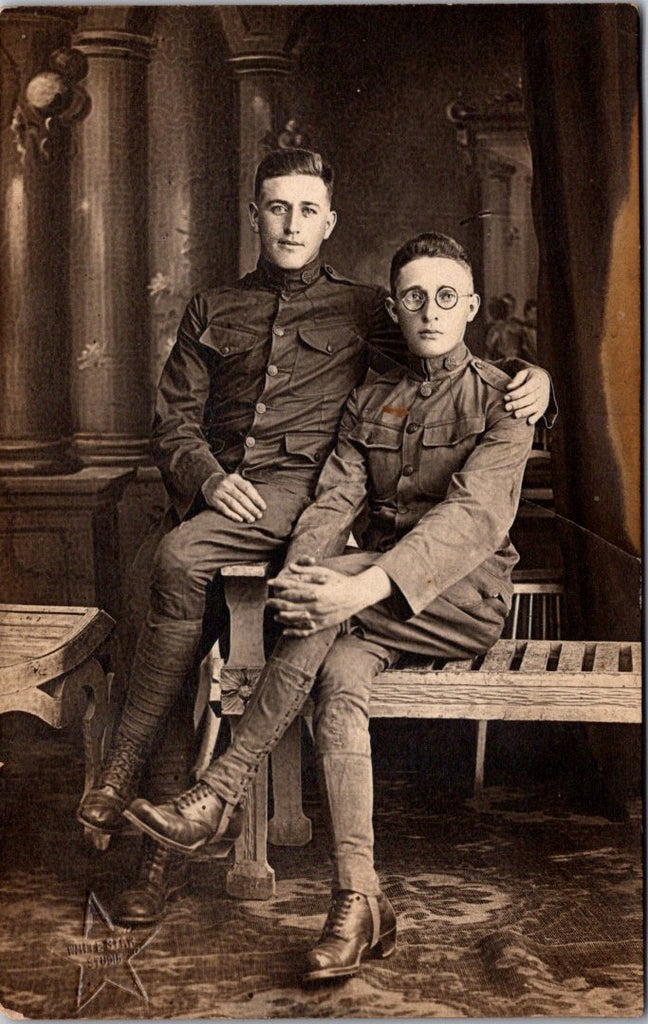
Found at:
(261, 63)
(107, 42)
(256, 35)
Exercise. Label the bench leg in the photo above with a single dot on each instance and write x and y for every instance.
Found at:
(97, 725)
(288, 826)
(251, 877)
(95, 684)
(482, 728)
(207, 710)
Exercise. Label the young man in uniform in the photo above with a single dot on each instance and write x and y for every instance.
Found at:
(247, 412)
(439, 460)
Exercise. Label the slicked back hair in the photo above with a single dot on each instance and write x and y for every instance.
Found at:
(282, 162)
(432, 243)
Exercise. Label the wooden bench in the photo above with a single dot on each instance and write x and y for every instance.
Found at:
(50, 667)
(518, 679)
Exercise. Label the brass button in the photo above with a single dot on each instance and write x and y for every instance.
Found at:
(272, 370)
(412, 428)
(279, 331)
(425, 389)
(408, 470)
(260, 408)
(402, 509)
(226, 350)
(249, 442)
(329, 347)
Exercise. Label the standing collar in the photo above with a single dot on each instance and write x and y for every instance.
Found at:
(278, 279)
(436, 366)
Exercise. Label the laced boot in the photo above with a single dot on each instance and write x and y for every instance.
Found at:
(102, 807)
(197, 817)
(357, 927)
(161, 875)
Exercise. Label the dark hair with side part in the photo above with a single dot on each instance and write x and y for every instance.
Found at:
(432, 243)
(282, 162)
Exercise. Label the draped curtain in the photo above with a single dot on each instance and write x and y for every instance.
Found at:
(581, 67)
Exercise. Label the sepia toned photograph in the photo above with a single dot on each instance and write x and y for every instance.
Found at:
(320, 512)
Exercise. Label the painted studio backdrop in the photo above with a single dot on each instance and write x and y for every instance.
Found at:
(129, 141)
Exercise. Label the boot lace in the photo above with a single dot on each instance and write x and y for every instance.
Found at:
(155, 860)
(122, 764)
(192, 796)
(339, 913)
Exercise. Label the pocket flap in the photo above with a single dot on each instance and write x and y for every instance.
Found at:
(314, 447)
(328, 339)
(376, 435)
(227, 341)
(439, 435)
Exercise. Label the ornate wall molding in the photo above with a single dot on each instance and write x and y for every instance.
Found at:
(499, 110)
(291, 136)
(52, 99)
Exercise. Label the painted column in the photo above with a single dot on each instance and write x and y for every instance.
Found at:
(261, 41)
(111, 390)
(39, 89)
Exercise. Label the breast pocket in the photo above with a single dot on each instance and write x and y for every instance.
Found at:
(238, 358)
(328, 352)
(382, 446)
(444, 449)
(228, 342)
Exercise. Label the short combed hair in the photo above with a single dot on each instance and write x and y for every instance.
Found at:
(432, 243)
(282, 162)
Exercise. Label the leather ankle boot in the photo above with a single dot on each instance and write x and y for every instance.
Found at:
(161, 874)
(102, 807)
(192, 820)
(357, 927)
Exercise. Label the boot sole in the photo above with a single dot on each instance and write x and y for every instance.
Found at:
(383, 949)
(111, 830)
(219, 847)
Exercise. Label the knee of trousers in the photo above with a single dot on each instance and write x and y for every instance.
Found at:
(178, 585)
(341, 716)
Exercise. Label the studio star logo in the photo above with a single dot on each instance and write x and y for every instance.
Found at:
(105, 956)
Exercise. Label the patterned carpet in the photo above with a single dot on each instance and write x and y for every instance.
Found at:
(531, 906)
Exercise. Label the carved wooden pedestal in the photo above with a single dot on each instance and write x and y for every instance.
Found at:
(251, 877)
(59, 538)
(49, 668)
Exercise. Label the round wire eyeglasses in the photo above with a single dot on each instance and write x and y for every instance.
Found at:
(445, 298)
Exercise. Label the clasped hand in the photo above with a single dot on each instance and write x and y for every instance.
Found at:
(311, 597)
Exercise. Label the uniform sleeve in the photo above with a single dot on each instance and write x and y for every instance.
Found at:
(323, 528)
(472, 521)
(179, 447)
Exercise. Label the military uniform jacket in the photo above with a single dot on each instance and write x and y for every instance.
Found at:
(440, 463)
(258, 377)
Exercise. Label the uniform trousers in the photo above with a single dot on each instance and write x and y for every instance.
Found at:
(177, 632)
(347, 662)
